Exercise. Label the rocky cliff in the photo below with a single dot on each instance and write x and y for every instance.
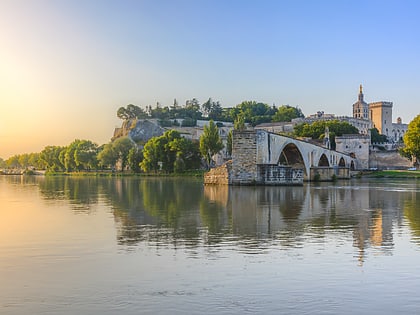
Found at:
(139, 130)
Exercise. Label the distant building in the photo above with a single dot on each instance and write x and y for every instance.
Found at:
(357, 146)
(361, 108)
(380, 114)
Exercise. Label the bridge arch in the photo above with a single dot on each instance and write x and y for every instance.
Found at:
(323, 161)
(342, 163)
(291, 156)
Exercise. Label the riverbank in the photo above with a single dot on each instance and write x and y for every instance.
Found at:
(100, 173)
(392, 174)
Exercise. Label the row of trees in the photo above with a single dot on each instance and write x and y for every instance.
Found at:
(168, 153)
(251, 112)
(316, 130)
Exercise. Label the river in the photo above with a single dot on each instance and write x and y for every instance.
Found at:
(103, 245)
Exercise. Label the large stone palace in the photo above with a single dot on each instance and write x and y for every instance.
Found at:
(380, 114)
(365, 117)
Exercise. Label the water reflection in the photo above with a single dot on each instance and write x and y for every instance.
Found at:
(173, 211)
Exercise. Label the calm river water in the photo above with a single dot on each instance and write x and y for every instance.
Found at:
(174, 246)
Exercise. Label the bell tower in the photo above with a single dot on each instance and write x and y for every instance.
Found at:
(361, 108)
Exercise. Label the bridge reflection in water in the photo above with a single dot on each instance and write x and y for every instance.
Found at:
(158, 210)
(366, 213)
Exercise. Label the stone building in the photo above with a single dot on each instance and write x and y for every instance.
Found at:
(380, 116)
(358, 148)
(361, 108)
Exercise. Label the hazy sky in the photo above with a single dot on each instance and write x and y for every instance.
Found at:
(67, 66)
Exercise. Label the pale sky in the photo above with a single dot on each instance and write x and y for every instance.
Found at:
(67, 66)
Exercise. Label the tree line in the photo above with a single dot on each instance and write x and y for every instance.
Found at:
(251, 112)
(168, 153)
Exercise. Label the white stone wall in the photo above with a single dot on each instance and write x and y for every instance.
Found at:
(357, 145)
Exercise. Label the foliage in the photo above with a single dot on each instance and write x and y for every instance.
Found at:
(135, 156)
(287, 113)
(412, 139)
(122, 147)
(239, 123)
(189, 122)
(212, 110)
(22, 161)
(50, 157)
(116, 152)
(210, 142)
(316, 130)
(229, 143)
(131, 112)
(107, 157)
(376, 137)
(85, 155)
(253, 112)
(170, 153)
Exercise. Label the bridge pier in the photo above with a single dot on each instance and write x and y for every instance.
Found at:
(263, 158)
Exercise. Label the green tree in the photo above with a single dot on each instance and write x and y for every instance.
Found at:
(170, 153)
(412, 140)
(122, 147)
(50, 158)
(316, 130)
(131, 112)
(212, 110)
(210, 142)
(69, 160)
(253, 112)
(376, 137)
(287, 113)
(13, 162)
(2, 163)
(229, 143)
(85, 155)
(135, 156)
(115, 153)
(239, 123)
(107, 157)
(152, 155)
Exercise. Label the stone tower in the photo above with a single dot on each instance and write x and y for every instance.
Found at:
(361, 108)
(381, 115)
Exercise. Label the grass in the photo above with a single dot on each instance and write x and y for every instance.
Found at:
(393, 174)
(197, 173)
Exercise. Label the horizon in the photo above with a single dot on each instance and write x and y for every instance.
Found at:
(68, 66)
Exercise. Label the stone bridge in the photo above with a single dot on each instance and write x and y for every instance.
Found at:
(261, 157)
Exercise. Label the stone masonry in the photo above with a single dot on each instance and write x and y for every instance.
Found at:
(244, 158)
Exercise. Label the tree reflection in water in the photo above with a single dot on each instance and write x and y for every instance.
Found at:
(176, 211)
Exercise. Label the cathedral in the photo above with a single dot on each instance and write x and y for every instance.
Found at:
(380, 114)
